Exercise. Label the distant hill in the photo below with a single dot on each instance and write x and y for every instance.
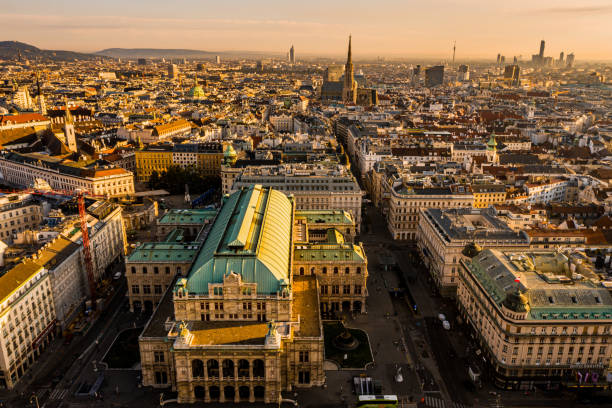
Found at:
(12, 49)
(154, 53)
(175, 53)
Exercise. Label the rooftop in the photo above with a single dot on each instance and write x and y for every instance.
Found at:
(306, 306)
(187, 216)
(164, 252)
(251, 236)
(17, 276)
(325, 216)
(478, 225)
(557, 286)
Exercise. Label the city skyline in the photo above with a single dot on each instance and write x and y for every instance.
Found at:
(392, 29)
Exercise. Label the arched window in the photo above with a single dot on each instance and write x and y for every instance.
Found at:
(197, 368)
(335, 270)
(259, 368)
(213, 368)
(302, 270)
(347, 270)
(133, 269)
(243, 368)
(325, 269)
(144, 269)
(228, 368)
(358, 270)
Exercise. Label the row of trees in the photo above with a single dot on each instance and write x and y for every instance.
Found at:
(174, 179)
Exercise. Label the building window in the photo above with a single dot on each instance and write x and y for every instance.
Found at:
(304, 377)
(346, 289)
(324, 269)
(335, 270)
(335, 289)
(133, 269)
(304, 356)
(324, 289)
(167, 270)
(144, 269)
(155, 270)
(135, 289)
(146, 289)
(158, 356)
(358, 270)
(161, 377)
(157, 289)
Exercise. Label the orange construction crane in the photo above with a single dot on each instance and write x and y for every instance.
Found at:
(80, 196)
(87, 250)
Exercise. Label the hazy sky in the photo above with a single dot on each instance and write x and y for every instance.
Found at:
(400, 28)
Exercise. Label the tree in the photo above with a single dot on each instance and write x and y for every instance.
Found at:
(154, 180)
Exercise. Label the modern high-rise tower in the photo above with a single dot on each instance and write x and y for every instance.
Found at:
(349, 86)
(292, 55)
(172, 71)
(542, 45)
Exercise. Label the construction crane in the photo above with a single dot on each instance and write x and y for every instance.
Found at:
(87, 249)
(80, 196)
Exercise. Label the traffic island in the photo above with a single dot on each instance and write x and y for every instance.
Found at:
(349, 348)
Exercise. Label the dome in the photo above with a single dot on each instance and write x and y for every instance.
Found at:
(516, 301)
(471, 250)
(229, 151)
(196, 93)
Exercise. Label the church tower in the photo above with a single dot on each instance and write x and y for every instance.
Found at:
(349, 91)
(69, 134)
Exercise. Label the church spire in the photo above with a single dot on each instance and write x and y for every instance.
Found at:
(349, 91)
(349, 59)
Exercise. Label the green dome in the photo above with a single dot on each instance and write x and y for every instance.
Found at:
(229, 151)
(196, 93)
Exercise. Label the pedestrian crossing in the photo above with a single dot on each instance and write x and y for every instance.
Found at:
(59, 394)
(433, 402)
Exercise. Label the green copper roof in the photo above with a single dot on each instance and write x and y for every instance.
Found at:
(187, 216)
(325, 216)
(329, 252)
(164, 252)
(492, 144)
(251, 236)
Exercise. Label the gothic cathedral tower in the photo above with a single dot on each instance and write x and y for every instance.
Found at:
(349, 87)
